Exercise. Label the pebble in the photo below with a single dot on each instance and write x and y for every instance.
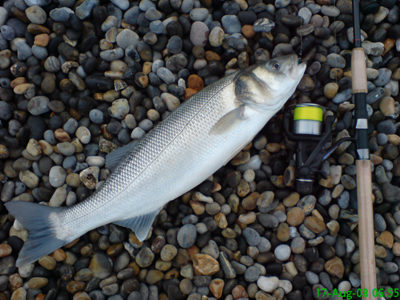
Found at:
(69, 96)
(199, 33)
(36, 14)
(263, 25)
(268, 284)
(187, 236)
(282, 252)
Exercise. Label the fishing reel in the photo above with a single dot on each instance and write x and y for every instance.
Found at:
(312, 138)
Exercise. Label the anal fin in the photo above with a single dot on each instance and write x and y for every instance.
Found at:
(141, 224)
(115, 157)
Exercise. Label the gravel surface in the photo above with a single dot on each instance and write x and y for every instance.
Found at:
(78, 79)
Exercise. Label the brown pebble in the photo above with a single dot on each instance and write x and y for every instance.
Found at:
(239, 292)
(204, 264)
(291, 200)
(22, 88)
(18, 81)
(42, 40)
(335, 267)
(241, 158)
(47, 262)
(189, 93)
(388, 45)
(295, 216)
(265, 157)
(210, 55)
(248, 31)
(316, 225)
(5, 250)
(37, 282)
(221, 220)
(250, 202)
(386, 239)
(273, 147)
(75, 286)
(37, 29)
(198, 207)
(283, 233)
(87, 250)
(243, 188)
(40, 297)
(62, 135)
(396, 249)
(19, 294)
(195, 82)
(15, 282)
(81, 296)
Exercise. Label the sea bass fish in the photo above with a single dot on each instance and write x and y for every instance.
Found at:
(199, 137)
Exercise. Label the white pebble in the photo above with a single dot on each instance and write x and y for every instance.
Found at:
(344, 286)
(26, 270)
(282, 252)
(286, 285)
(249, 175)
(349, 245)
(268, 284)
(201, 228)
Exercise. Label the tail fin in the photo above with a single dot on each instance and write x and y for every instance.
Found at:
(42, 223)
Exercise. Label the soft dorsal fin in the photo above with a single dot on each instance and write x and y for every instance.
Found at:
(115, 157)
(141, 224)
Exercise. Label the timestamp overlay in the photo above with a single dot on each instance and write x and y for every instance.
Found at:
(359, 293)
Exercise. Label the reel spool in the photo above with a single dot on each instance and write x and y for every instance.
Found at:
(307, 123)
(308, 119)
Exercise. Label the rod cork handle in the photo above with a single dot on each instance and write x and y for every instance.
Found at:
(366, 229)
(359, 67)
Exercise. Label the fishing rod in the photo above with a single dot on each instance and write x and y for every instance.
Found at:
(363, 163)
(307, 122)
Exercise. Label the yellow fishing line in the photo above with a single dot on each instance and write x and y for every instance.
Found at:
(308, 113)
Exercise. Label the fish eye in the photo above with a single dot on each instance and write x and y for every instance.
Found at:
(275, 66)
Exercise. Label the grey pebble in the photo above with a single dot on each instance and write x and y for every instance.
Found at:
(111, 55)
(198, 14)
(7, 32)
(152, 14)
(157, 27)
(38, 105)
(84, 10)
(384, 77)
(61, 14)
(187, 235)
(252, 236)
(71, 125)
(336, 61)
(57, 176)
(263, 25)
(24, 51)
(166, 75)
(69, 162)
(66, 148)
(231, 24)
(40, 52)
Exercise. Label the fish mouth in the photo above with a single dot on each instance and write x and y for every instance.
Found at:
(297, 68)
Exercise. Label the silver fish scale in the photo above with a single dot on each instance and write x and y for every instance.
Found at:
(161, 151)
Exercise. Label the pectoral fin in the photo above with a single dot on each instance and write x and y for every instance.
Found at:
(115, 157)
(229, 121)
(141, 224)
